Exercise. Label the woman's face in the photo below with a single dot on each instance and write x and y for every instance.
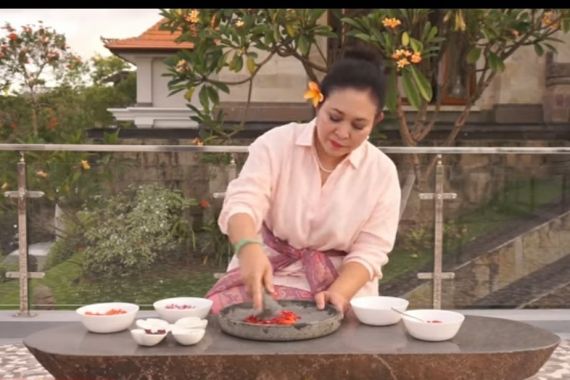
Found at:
(344, 120)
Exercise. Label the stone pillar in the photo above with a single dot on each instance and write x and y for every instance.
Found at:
(557, 95)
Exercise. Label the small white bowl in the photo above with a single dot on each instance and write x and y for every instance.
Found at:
(144, 339)
(377, 310)
(153, 324)
(191, 323)
(187, 337)
(200, 307)
(449, 323)
(107, 323)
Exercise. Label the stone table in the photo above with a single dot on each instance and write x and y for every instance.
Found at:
(485, 348)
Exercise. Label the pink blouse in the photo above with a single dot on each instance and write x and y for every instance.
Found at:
(356, 210)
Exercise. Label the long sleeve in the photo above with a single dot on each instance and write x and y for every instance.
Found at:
(376, 238)
(250, 192)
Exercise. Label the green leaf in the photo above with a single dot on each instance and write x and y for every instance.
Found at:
(251, 65)
(410, 90)
(417, 46)
(538, 49)
(405, 39)
(188, 94)
(425, 31)
(432, 33)
(473, 55)
(237, 63)
(362, 36)
(422, 83)
(203, 95)
(303, 45)
(213, 95)
(495, 62)
(291, 30)
(351, 22)
(222, 86)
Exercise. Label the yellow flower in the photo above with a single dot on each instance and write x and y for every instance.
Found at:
(42, 174)
(4, 186)
(398, 53)
(239, 23)
(182, 66)
(416, 57)
(85, 165)
(391, 23)
(197, 141)
(314, 94)
(549, 20)
(403, 63)
(192, 18)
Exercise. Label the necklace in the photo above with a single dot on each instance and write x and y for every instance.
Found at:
(322, 167)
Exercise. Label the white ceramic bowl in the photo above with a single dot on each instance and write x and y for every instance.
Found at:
(153, 324)
(191, 323)
(107, 323)
(144, 339)
(188, 337)
(377, 310)
(447, 325)
(200, 307)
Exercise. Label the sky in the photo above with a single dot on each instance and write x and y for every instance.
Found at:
(83, 28)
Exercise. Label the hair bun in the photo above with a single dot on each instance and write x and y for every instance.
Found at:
(363, 53)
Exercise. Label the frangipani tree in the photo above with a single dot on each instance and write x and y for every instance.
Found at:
(484, 37)
(413, 42)
(33, 56)
(231, 39)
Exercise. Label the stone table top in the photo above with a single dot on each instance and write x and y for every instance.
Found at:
(485, 348)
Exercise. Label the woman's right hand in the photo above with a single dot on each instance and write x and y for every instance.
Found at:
(256, 272)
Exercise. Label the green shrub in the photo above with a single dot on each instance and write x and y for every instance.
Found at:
(64, 248)
(131, 231)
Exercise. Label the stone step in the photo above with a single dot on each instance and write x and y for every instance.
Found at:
(474, 249)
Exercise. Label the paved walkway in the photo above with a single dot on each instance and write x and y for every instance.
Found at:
(17, 363)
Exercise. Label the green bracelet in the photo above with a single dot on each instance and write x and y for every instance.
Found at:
(243, 242)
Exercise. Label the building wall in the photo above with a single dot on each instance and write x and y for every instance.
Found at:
(516, 95)
(160, 92)
(523, 81)
(279, 80)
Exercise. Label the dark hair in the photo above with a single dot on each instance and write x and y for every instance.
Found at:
(360, 68)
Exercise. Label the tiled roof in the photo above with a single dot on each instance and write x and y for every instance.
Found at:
(152, 39)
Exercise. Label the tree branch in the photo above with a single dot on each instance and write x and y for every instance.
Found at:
(403, 124)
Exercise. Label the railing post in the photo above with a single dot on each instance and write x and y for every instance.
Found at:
(438, 197)
(22, 194)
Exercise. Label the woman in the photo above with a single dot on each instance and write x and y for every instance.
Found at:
(325, 201)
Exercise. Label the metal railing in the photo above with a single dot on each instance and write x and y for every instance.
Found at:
(438, 196)
(244, 149)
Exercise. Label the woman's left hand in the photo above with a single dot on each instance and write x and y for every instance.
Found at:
(334, 298)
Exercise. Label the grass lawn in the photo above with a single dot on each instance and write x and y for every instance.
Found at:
(69, 289)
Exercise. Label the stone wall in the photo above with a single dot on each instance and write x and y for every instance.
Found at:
(477, 178)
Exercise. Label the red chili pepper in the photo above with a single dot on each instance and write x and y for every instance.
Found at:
(285, 317)
(108, 312)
